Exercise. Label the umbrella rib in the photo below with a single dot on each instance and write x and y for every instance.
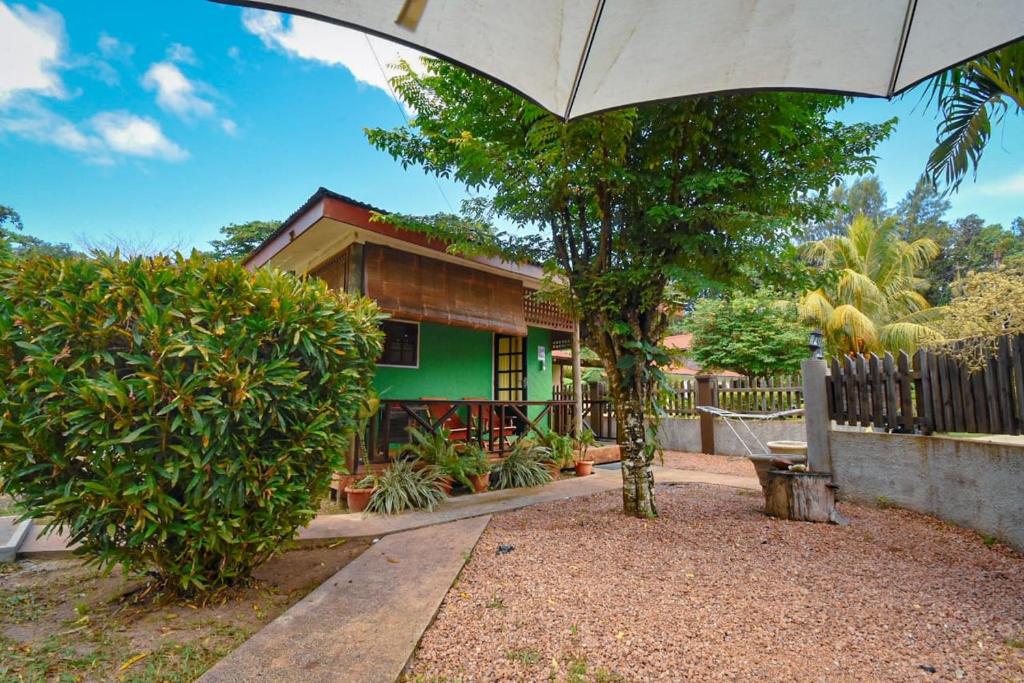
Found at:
(908, 20)
(598, 9)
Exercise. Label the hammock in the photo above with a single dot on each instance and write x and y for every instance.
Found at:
(731, 419)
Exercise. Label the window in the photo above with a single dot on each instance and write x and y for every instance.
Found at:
(401, 344)
(509, 368)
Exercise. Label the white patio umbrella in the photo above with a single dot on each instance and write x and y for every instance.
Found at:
(576, 57)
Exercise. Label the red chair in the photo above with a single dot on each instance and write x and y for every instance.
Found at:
(453, 423)
(490, 421)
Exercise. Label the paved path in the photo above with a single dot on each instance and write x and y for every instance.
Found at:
(461, 507)
(362, 624)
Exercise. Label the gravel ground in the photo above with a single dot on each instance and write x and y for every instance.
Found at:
(719, 464)
(713, 589)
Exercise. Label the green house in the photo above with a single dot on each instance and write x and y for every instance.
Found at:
(468, 343)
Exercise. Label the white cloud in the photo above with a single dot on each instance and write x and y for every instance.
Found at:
(229, 127)
(329, 44)
(133, 135)
(182, 54)
(113, 48)
(175, 92)
(1009, 187)
(30, 51)
(34, 122)
(234, 52)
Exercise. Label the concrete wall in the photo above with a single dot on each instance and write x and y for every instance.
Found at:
(681, 434)
(973, 484)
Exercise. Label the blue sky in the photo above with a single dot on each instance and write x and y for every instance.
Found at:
(154, 123)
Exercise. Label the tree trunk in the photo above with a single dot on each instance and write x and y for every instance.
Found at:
(637, 477)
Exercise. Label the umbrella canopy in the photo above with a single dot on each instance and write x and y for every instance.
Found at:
(576, 57)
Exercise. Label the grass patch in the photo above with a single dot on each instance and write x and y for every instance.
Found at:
(525, 655)
(61, 621)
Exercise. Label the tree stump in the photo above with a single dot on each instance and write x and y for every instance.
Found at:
(801, 496)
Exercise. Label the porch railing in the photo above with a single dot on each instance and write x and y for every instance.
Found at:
(494, 425)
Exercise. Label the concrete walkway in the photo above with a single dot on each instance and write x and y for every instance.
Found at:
(362, 624)
(462, 507)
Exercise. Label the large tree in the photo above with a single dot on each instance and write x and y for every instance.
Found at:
(865, 195)
(876, 302)
(628, 201)
(757, 335)
(241, 239)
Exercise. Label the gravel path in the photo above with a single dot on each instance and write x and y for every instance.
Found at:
(719, 464)
(713, 589)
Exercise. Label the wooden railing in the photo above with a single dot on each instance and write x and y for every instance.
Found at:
(494, 425)
(598, 415)
(930, 392)
(739, 394)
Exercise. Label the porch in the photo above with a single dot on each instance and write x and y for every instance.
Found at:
(494, 425)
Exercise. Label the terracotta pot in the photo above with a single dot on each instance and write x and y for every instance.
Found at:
(584, 467)
(481, 482)
(446, 484)
(357, 499)
(553, 469)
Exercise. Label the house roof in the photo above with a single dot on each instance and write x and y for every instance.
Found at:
(327, 204)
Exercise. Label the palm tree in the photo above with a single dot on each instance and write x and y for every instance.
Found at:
(970, 98)
(875, 301)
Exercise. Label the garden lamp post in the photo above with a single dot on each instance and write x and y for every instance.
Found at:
(816, 345)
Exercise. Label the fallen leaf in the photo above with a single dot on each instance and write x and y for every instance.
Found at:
(133, 661)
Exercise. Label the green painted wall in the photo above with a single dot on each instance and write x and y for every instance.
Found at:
(455, 362)
(538, 381)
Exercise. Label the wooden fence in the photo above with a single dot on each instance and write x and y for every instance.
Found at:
(930, 392)
(739, 394)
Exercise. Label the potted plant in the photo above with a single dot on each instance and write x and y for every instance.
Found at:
(582, 444)
(478, 467)
(559, 449)
(405, 485)
(437, 449)
(357, 494)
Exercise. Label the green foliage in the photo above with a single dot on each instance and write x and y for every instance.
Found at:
(757, 335)
(689, 192)
(970, 99)
(241, 239)
(476, 460)
(176, 414)
(404, 485)
(438, 449)
(559, 448)
(985, 307)
(522, 467)
(876, 302)
(865, 195)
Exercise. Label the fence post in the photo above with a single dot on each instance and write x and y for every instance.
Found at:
(816, 419)
(705, 397)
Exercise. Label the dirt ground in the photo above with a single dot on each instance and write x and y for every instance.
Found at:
(62, 621)
(713, 589)
(719, 464)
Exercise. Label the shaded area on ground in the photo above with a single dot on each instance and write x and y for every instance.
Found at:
(719, 464)
(713, 588)
(60, 620)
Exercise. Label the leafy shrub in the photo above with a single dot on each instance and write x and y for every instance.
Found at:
(176, 413)
(560, 448)
(404, 486)
(522, 467)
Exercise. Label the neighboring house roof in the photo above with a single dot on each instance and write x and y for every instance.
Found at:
(326, 206)
(683, 366)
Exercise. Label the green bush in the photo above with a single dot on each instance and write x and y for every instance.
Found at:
(176, 414)
(522, 467)
(404, 485)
